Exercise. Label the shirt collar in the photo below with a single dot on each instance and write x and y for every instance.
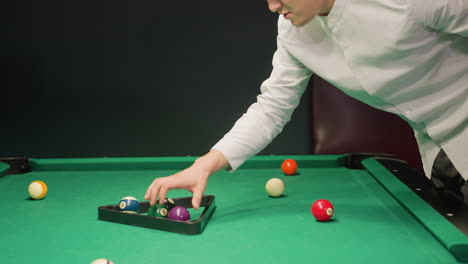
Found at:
(335, 13)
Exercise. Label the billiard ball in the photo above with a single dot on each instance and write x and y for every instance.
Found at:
(179, 213)
(274, 187)
(158, 210)
(102, 261)
(129, 204)
(169, 203)
(322, 210)
(289, 167)
(37, 190)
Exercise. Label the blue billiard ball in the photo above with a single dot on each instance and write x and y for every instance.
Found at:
(129, 204)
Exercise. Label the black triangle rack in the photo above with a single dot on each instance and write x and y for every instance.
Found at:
(112, 213)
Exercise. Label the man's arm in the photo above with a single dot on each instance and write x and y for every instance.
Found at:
(265, 119)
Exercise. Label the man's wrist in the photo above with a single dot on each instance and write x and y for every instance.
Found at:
(212, 162)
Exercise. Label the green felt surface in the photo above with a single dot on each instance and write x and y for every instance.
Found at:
(369, 225)
(3, 169)
(449, 236)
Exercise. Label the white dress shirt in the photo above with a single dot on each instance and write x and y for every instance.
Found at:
(407, 57)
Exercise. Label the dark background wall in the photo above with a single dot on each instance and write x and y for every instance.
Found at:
(134, 78)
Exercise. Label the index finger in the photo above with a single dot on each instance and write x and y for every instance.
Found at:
(162, 193)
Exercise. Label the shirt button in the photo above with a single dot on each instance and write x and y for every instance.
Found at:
(362, 76)
(345, 44)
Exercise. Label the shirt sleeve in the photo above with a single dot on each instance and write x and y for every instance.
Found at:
(450, 16)
(265, 119)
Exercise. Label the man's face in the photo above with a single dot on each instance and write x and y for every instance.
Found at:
(300, 12)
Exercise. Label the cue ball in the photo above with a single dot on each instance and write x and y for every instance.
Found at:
(129, 204)
(37, 190)
(274, 187)
(102, 261)
(322, 210)
(289, 167)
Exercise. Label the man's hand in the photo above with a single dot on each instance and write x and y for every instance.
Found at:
(193, 179)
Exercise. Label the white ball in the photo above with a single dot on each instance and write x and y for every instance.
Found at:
(274, 187)
(102, 261)
(37, 190)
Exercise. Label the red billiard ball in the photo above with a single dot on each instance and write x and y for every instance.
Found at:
(289, 167)
(322, 210)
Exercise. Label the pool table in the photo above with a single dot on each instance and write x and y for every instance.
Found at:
(377, 218)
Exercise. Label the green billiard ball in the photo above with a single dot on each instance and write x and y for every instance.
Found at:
(158, 210)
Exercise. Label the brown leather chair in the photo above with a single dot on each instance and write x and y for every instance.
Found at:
(341, 124)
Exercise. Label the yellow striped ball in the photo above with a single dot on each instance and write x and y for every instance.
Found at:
(37, 190)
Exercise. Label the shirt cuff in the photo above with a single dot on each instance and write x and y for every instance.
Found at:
(234, 158)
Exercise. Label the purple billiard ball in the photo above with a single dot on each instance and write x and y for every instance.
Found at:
(179, 213)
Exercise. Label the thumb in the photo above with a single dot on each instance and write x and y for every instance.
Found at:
(196, 199)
